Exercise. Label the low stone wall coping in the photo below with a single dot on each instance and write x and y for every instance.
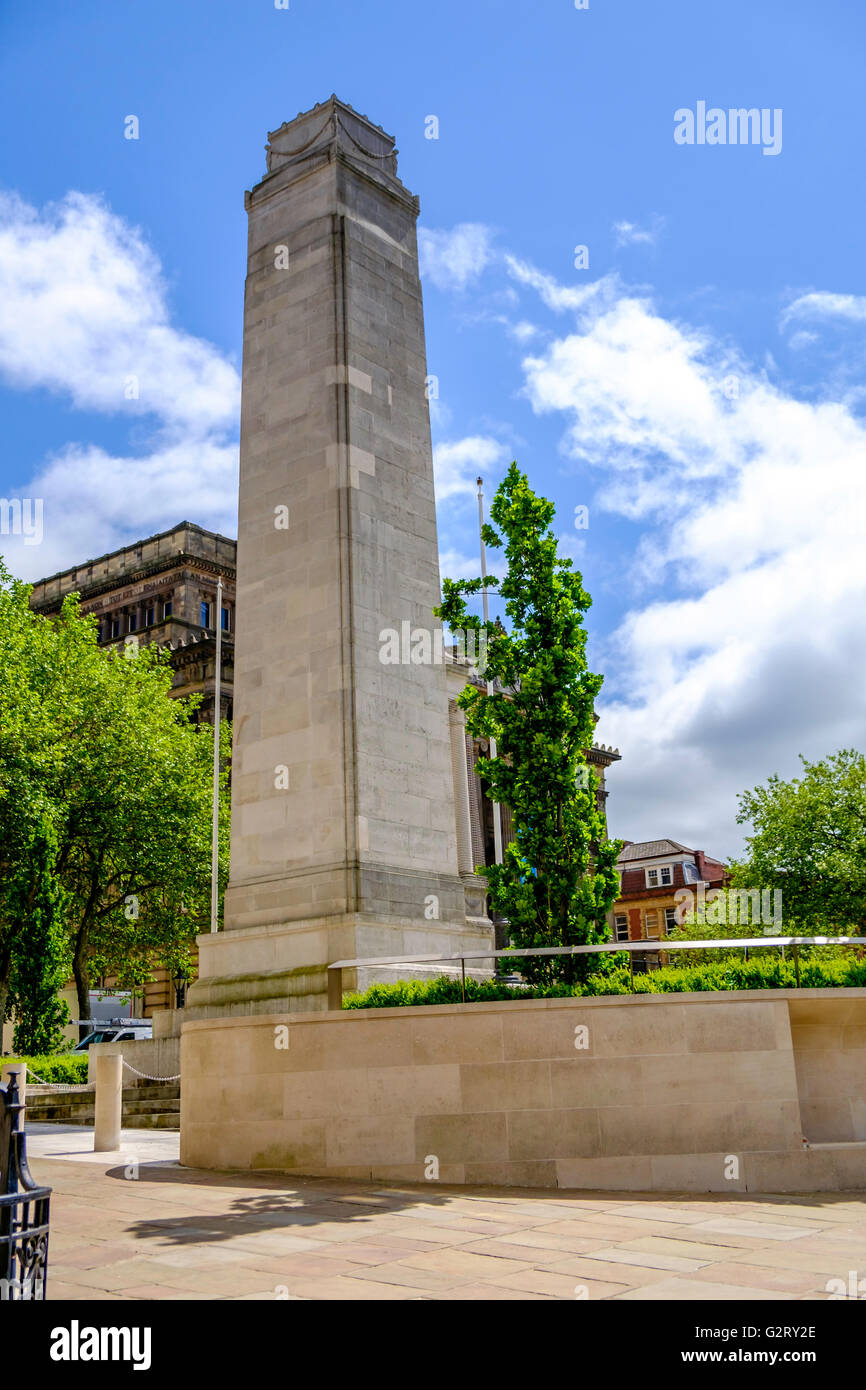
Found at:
(592, 1001)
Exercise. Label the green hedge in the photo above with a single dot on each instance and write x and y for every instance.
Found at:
(759, 972)
(68, 1069)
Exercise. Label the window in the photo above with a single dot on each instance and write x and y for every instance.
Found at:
(690, 873)
(225, 620)
(651, 922)
(149, 616)
(133, 622)
(204, 610)
(166, 608)
(115, 627)
(660, 878)
(620, 926)
(671, 923)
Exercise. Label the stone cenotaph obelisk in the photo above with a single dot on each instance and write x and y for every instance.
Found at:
(343, 840)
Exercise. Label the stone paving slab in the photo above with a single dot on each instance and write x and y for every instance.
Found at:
(180, 1233)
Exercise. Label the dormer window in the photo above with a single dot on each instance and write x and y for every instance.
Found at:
(660, 878)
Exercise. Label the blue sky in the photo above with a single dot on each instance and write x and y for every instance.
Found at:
(698, 386)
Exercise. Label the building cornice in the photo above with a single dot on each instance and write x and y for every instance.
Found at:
(125, 578)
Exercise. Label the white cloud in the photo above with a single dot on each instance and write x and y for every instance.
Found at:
(457, 464)
(84, 310)
(456, 258)
(802, 339)
(453, 564)
(571, 545)
(630, 234)
(822, 304)
(754, 508)
(522, 331)
(96, 502)
(556, 296)
(440, 414)
(638, 386)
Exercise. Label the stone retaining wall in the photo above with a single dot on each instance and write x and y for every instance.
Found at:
(689, 1092)
(156, 1057)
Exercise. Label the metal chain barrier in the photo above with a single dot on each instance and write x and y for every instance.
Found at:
(61, 1086)
(147, 1076)
(58, 1085)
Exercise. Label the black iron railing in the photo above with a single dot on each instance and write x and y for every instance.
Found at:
(24, 1208)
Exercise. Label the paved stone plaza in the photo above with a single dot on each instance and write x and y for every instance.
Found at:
(183, 1233)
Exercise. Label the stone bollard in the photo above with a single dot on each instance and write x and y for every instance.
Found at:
(108, 1076)
(10, 1068)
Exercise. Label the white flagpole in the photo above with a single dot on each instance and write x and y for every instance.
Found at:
(497, 814)
(214, 866)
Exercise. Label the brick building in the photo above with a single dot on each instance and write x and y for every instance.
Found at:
(650, 872)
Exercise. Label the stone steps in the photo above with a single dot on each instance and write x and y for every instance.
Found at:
(145, 1105)
(164, 1120)
(61, 1114)
(132, 1094)
(153, 1107)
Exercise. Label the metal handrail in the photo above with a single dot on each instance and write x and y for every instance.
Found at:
(736, 943)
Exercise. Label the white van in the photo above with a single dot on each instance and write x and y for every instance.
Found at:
(117, 1030)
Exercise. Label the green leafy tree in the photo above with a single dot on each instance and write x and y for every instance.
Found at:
(105, 810)
(135, 848)
(558, 878)
(34, 957)
(40, 962)
(809, 841)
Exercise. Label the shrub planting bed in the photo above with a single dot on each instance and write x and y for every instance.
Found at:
(836, 970)
(65, 1069)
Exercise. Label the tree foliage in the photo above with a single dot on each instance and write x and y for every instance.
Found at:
(105, 810)
(33, 955)
(39, 964)
(558, 880)
(809, 841)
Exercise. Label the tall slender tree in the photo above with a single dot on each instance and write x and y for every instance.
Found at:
(558, 878)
